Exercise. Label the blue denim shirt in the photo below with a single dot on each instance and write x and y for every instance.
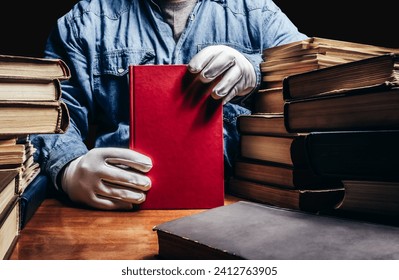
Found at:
(98, 39)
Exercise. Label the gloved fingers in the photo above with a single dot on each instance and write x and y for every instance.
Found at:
(211, 62)
(127, 157)
(202, 58)
(119, 193)
(142, 164)
(229, 84)
(126, 177)
(216, 67)
(108, 203)
(230, 95)
(133, 181)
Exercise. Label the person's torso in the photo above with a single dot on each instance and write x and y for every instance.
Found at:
(115, 34)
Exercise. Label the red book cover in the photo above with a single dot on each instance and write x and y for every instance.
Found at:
(175, 122)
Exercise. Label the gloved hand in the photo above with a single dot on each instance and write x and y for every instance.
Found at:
(108, 178)
(239, 77)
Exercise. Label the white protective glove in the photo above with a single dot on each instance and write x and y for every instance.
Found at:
(239, 77)
(108, 178)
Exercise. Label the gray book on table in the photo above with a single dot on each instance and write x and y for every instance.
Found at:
(247, 230)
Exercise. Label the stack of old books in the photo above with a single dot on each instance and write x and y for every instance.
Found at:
(274, 165)
(351, 113)
(30, 102)
(303, 56)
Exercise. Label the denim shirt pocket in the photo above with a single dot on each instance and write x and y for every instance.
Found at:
(110, 73)
(110, 69)
(116, 62)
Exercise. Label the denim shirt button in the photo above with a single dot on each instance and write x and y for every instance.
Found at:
(120, 70)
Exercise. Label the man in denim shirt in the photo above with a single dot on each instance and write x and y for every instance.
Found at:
(98, 39)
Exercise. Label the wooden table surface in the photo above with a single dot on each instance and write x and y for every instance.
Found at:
(61, 232)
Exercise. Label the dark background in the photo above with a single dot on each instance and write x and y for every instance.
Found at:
(25, 25)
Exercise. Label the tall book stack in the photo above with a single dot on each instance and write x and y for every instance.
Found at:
(351, 112)
(273, 166)
(30, 102)
(303, 56)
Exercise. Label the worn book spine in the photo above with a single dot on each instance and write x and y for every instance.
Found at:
(301, 199)
(355, 155)
(364, 73)
(27, 67)
(289, 177)
(32, 197)
(57, 120)
(354, 110)
(9, 227)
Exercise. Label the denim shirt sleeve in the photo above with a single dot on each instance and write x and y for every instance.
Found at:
(54, 151)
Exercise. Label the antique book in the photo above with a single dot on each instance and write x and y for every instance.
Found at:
(7, 186)
(301, 198)
(255, 231)
(29, 169)
(176, 123)
(289, 177)
(277, 73)
(354, 155)
(18, 158)
(312, 54)
(288, 149)
(33, 67)
(32, 197)
(269, 100)
(362, 109)
(262, 124)
(11, 155)
(9, 227)
(29, 89)
(378, 198)
(8, 140)
(370, 72)
(33, 117)
(326, 46)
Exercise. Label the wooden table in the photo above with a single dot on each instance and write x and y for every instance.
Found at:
(61, 232)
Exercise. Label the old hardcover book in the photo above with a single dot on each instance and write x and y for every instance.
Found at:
(301, 198)
(326, 46)
(33, 117)
(254, 231)
(176, 123)
(32, 197)
(287, 150)
(7, 186)
(262, 124)
(354, 155)
(9, 227)
(379, 198)
(8, 140)
(269, 100)
(29, 169)
(312, 54)
(29, 89)
(12, 155)
(33, 67)
(288, 177)
(362, 109)
(370, 72)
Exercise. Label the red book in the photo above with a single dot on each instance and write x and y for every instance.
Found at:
(175, 122)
